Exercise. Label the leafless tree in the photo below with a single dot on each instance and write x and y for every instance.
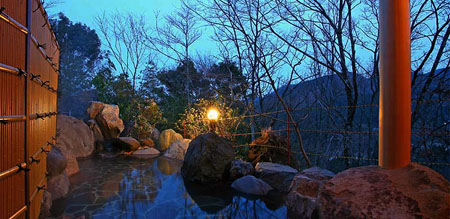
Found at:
(174, 38)
(124, 36)
(329, 39)
(242, 31)
(48, 4)
(238, 32)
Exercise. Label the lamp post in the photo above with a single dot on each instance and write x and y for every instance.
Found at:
(212, 115)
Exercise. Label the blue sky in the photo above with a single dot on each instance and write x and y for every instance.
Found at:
(85, 11)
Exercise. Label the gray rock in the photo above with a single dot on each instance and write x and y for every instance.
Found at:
(177, 150)
(58, 186)
(276, 175)
(208, 159)
(251, 185)
(302, 201)
(240, 168)
(300, 206)
(166, 138)
(318, 173)
(46, 205)
(308, 177)
(56, 162)
(155, 135)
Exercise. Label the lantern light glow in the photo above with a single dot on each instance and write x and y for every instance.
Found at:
(213, 114)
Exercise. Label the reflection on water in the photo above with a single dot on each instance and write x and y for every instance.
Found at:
(154, 188)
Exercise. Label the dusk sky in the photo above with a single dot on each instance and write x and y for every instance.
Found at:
(85, 11)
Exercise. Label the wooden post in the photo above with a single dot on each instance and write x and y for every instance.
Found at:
(395, 84)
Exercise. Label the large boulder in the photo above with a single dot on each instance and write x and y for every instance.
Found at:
(240, 168)
(56, 162)
(166, 138)
(177, 150)
(126, 143)
(94, 109)
(58, 186)
(46, 205)
(301, 206)
(414, 191)
(276, 175)
(99, 140)
(75, 140)
(75, 136)
(109, 121)
(303, 199)
(72, 165)
(251, 185)
(208, 159)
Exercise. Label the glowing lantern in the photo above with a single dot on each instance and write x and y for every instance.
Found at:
(213, 114)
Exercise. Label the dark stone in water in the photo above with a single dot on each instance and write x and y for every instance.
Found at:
(208, 159)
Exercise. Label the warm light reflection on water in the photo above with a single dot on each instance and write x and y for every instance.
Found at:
(154, 188)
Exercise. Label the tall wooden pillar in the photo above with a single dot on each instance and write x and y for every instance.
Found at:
(395, 84)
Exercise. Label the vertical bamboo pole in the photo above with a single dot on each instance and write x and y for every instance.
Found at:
(27, 106)
(395, 84)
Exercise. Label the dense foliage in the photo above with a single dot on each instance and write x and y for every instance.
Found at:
(80, 54)
(194, 120)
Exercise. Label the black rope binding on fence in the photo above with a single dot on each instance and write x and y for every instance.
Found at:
(39, 6)
(20, 72)
(26, 169)
(48, 58)
(4, 122)
(33, 160)
(46, 22)
(2, 9)
(43, 46)
(33, 76)
(39, 188)
(44, 151)
(40, 116)
(45, 83)
(51, 144)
